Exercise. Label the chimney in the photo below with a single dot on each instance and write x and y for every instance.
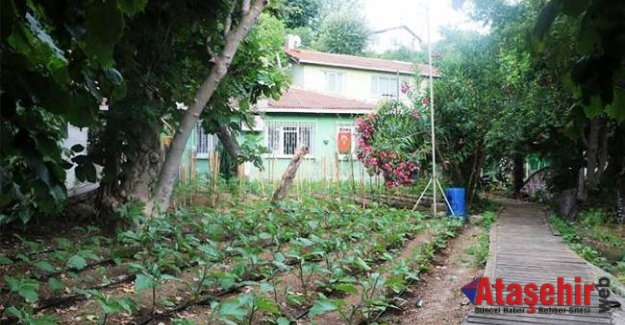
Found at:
(292, 42)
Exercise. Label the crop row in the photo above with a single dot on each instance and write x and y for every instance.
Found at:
(223, 249)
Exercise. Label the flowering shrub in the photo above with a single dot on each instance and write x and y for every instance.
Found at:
(390, 143)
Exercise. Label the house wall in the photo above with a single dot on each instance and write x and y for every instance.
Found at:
(357, 84)
(393, 39)
(75, 136)
(319, 165)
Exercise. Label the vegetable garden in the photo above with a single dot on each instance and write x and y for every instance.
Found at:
(545, 81)
(323, 260)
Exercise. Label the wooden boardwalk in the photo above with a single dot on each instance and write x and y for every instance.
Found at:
(524, 250)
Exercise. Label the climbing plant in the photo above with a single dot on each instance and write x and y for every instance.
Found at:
(393, 141)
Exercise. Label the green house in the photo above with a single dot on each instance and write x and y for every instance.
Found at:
(328, 93)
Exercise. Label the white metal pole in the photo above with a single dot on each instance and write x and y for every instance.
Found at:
(431, 102)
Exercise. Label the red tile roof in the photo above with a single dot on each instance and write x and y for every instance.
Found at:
(357, 62)
(296, 98)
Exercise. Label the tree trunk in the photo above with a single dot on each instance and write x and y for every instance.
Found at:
(289, 174)
(231, 146)
(614, 175)
(141, 177)
(592, 148)
(567, 204)
(474, 178)
(518, 173)
(168, 172)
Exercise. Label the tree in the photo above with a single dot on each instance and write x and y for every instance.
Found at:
(53, 55)
(466, 97)
(300, 13)
(256, 72)
(404, 53)
(234, 35)
(587, 47)
(343, 33)
(160, 54)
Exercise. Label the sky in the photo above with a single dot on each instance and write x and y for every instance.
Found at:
(382, 14)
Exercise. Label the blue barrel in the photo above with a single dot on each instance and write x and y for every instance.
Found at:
(455, 196)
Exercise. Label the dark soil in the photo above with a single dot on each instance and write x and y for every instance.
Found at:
(439, 290)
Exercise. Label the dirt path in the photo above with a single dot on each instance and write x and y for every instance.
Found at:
(439, 290)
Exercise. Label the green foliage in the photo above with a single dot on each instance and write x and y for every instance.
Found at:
(404, 53)
(481, 250)
(252, 150)
(57, 57)
(593, 218)
(322, 306)
(256, 73)
(334, 245)
(343, 32)
(27, 288)
(26, 316)
(299, 13)
(576, 235)
(593, 58)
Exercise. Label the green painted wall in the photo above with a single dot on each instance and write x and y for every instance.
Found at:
(320, 164)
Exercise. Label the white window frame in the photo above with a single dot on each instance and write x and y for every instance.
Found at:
(339, 81)
(352, 128)
(204, 143)
(281, 128)
(390, 92)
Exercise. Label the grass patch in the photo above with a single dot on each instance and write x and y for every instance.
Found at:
(595, 238)
(480, 251)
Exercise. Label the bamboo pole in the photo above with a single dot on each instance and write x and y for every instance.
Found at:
(240, 171)
(273, 167)
(337, 167)
(351, 163)
(214, 177)
(300, 180)
(261, 178)
(323, 168)
(431, 109)
(191, 166)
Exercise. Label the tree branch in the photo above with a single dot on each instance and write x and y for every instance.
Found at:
(228, 22)
(228, 141)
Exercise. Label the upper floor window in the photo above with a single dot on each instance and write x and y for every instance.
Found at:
(384, 86)
(334, 81)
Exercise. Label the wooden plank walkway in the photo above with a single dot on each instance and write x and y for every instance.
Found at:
(523, 250)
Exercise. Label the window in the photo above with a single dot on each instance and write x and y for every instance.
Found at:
(204, 143)
(334, 81)
(384, 87)
(283, 138)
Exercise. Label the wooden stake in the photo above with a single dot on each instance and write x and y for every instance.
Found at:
(336, 167)
(273, 170)
(261, 179)
(323, 168)
(214, 177)
(240, 171)
(351, 163)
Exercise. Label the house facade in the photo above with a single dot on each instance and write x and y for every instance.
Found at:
(394, 38)
(328, 93)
